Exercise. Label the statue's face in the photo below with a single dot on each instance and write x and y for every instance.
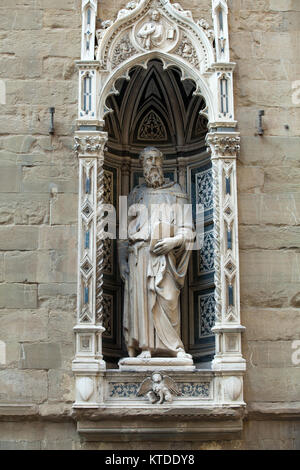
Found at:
(155, 15)
(152, 165)
(156, 378)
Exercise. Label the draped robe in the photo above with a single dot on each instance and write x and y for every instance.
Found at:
(152, 289)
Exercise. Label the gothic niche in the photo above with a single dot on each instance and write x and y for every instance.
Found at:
(156, 108)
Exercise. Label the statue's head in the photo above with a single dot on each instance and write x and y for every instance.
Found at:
(152, 162)
(155, 15)
(156, 377)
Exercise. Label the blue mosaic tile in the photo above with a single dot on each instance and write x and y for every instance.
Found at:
(123, 390)
(195, 390)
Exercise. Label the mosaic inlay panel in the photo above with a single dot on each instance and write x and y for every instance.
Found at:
(108, 256)
(108, 183)
(107, 315)
(123, 390)
(187, 390)
(206, 254)
(204, 189)
(195, 390)
(206, 305)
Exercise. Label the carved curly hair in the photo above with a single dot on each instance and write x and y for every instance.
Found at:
(143, 153)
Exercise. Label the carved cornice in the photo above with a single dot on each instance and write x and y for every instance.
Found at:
(88, 64)
(222, 66)
(223, 144)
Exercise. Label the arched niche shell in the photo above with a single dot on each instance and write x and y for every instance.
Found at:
(85, 387)
(232, 388)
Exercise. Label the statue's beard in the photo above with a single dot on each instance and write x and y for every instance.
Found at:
(154, 177)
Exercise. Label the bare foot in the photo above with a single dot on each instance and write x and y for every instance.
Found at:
(183, 355)
(145, 355)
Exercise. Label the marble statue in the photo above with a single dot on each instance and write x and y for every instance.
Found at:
(152, 33)
(153, 263)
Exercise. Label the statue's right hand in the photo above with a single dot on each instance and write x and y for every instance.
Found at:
(124, 271)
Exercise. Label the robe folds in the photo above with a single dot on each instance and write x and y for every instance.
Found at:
(151, 302)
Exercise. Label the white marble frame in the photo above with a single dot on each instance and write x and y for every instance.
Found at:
(228, 365)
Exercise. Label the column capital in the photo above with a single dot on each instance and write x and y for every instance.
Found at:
(90, 143)
(223, 144)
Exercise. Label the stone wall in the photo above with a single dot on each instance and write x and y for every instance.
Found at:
(39, 43)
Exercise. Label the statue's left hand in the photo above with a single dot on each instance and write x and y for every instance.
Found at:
(163, 247)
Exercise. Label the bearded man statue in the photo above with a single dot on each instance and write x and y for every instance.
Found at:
(153, 264)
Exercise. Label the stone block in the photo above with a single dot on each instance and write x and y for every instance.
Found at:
(274, 122)
(22, 431)
(64, 209)
(22, 386)
(250, 179)
(18, 296)
(269, 237)
(20, 445)
(283, 177)
(60, 327)
(21, 20)
(57, 266)
(10, 179)
(41, 92)
(59, 68)
(40, 356)
(18, 143)
(273, 431)
(268, 278)
(24, 325)
(284, 5)
(60, 444)
(7, 159)
(12, 354)
(57, 5)
(58, 237)
(24, 210)
(57, 289)
(269, 354)
(275, 209)
(59, 19)
(32, 159)
(67, 353)
(270, 324)
(57, 296)
(1, 267)
(20, 266)
(272, 151)
(272, 384)
(18, 238)
(61, 386)
(42, 179)
(45, 43)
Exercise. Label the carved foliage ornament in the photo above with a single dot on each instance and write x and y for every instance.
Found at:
(89, 144)
(187, 51)
(207, 29)
(224, 145)
(152, 128)
(123, 50)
